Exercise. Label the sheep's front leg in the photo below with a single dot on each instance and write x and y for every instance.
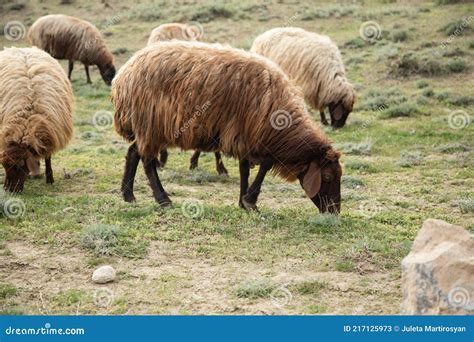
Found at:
(249, 200)
(48, 170)
(193, 163)
(131, 163)
(323, 118)
(244, 169)
(71, 66)
(158, 191)
(221, 170)
(163, 158)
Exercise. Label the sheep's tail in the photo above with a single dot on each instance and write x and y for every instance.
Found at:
(122, 121)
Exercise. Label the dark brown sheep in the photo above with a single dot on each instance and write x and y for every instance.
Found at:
(65, 37)
(252, 113)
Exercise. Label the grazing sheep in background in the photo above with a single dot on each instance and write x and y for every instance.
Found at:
(35, 113)
(65, 37)
(176, 31)
(214, 98)
(167, 32)
(314, 63)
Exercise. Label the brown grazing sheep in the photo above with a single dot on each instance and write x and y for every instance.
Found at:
(177, 31)
(65, 37)
(35, 113)
(210, 97)
(315, 64)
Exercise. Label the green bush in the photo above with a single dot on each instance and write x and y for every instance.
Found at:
(401, 110)
(399, 36)
(457, 65)
(422, 84)
(355, 43)
(428, 92)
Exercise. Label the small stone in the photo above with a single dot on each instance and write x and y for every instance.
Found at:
(104, 274)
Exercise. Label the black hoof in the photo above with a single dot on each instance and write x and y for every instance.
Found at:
(130, 198)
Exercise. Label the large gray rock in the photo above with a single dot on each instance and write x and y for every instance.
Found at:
(438, 274)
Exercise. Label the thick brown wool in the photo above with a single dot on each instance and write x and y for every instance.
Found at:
(65, 37)
(214, 98)
(35, 103)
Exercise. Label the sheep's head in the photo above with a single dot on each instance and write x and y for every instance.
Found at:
(322, 182)
(15, 159)
(107, 72)
(339, 113)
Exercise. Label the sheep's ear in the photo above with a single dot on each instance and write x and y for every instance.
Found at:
(312, 180)
(338, 111)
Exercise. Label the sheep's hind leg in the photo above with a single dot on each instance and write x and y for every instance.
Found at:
(48, 170)
(86, 67)
(324, 121)
(221, 170)
(244, 169)
(249, 200)
(158, 191)
(193, 163)
(71, 66)
(131, 163)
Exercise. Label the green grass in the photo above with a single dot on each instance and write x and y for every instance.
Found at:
(401, 160)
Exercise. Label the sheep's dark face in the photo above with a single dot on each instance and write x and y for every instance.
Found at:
(339, 113)
(108, 73)
(14, 160)
(323, 184)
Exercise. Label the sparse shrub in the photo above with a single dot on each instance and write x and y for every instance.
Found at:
(355, 43)
(325, 220)
(362, 148)
(466, 205)
(102, 239)
(387, 52)
(378, 100)
(17, 7)
(456, 52)
(208, 13)
(428, 92)
(449, 2)
(399, 36)
(453, 148)
(442, 96)
(352, 182)
(410, 158)
(308, 287)
(464, 101)
(254, 289)
(457, 65)
(421, 100)
(471, 44)
(427, 64)
(400, 110)
(458, 27)
(120, 51)
(420, 84)
(7, 290)
(358, 165)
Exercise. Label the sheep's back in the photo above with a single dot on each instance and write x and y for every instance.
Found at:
(198, 96)
(35, 100)
(65, 37)
(166, 32)
(311, 60)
